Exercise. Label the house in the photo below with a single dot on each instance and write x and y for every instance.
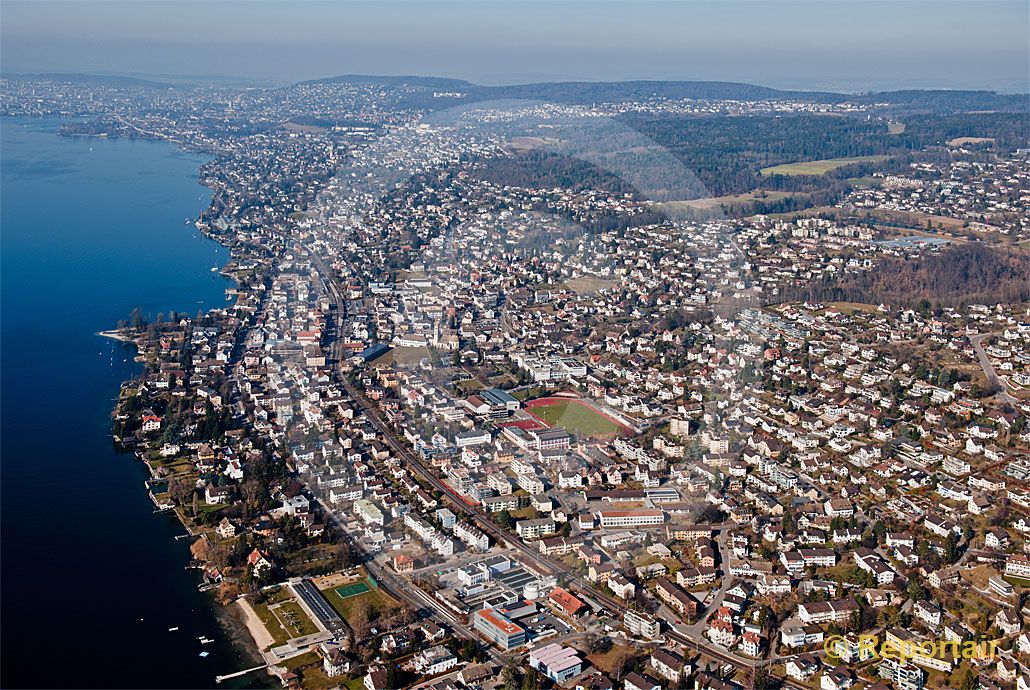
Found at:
(566, 603)
(214, 495)
(751, 644)
(636, 681)
(259, 561)
(929, 613)
(720, 631)
(668, 664)
(837, 679)
(376, 678)
(403, 563)
(226, 529)
(434, 660)
(621, 587)
(802, 667)
(1007, 622)
(334, 661)
(996, 539)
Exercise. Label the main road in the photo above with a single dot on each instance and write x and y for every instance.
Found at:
(989, 371)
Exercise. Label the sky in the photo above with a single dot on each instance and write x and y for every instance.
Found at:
(842, 45)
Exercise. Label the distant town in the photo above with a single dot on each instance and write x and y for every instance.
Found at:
(638, 386)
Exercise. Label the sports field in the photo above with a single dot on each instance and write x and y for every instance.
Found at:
(819, 167)
(576, 416)
(352, 590)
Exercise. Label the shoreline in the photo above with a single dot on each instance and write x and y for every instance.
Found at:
(116, 334)
(237, 623)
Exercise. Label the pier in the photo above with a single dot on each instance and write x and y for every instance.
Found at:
(219, 679)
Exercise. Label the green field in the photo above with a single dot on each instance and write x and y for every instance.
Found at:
(577, 419)
(715, 202)
(352, 590)
(376, 599)
(819, 167)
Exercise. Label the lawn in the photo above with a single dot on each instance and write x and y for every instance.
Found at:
(588, 285)
(619, 656)
(819, 167)
(376, 599)
(271, 623)
(577, 418)
(292, 617)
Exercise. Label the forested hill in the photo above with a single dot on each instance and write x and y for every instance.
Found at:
(424, 82)
(97, 79)
(587, 92)
(961, 274)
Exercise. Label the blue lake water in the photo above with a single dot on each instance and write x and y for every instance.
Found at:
(92, 578)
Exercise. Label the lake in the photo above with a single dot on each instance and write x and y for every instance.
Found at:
(93, 578)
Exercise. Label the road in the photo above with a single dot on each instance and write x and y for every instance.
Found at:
(989, 372)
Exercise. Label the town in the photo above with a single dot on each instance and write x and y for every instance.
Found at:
(454, 430)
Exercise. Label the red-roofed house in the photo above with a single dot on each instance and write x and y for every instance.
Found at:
(566, 603)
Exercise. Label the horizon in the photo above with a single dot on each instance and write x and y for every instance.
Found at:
(237, 81)
(841, 46)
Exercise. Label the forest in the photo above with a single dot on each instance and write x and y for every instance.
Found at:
(717, 156)
(958, 275)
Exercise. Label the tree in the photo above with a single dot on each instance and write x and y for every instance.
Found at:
(360, 618)
(757, 679)
(180, 489)
(915, 591)
(966, 679)
(510, 674)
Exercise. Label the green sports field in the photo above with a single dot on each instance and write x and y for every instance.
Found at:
(819, 167)
(352, 590)
(578, 419)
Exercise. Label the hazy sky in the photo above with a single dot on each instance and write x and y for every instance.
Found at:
(838, 44)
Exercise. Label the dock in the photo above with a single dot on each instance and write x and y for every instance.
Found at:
(219, 679)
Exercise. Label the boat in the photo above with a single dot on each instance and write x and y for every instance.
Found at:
(173, 629)
(214, 269)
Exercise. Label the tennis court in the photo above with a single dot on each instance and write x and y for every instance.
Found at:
(352, 590)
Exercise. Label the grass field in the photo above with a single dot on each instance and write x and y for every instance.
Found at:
(716, 201)
(403, 355)
(588, 285)
(577, 418)
(967, 141)
(819, 167)
(375, 598)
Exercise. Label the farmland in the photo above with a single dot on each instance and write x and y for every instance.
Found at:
(820, 167)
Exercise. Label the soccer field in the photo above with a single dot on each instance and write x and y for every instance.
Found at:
(577, 417)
